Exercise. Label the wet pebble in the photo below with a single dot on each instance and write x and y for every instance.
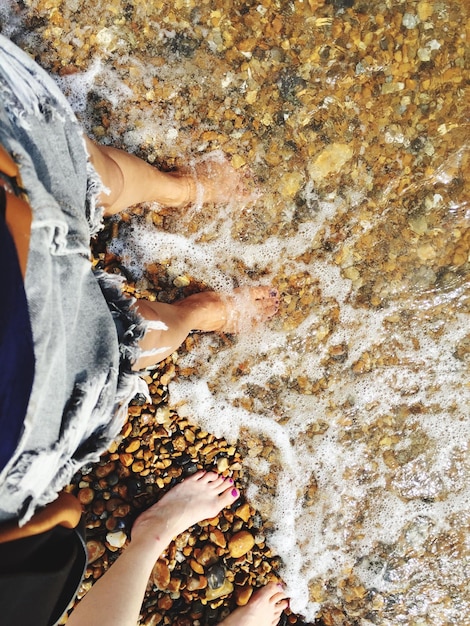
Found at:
(241, 543)
(195, 583)
(95, 550)
(116, 539)
(225, 589)
(216, 576)
(161, 575)
(208, 555)
(243, 594)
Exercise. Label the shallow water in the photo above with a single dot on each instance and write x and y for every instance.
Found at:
(352, 404)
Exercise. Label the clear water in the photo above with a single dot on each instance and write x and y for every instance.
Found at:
(352, 405)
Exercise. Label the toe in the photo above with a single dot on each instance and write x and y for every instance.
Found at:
(228, 496)
(210, 477)
(278, 597)
(262, 293)
(196, 476)
(270, 307)
(273, 588)
(216, 481)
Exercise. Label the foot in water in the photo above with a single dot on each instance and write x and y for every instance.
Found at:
(230, 313)
(198, 497)
(205, 311)
(264, 608)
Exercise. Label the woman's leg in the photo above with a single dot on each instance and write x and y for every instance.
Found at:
(131, 180)
(115, 599)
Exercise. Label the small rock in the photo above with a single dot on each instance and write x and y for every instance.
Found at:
(251, 96)
(196, 582)
(98, 507)
(241, 543)
(290, 184)
(160, 575)
(425, 10)
(122, 510)
(126, 459)
(165, 602)
(208, 555)
(224, 590)
(181, 281)
(216, 576)
(196, 567)
(243, 512)
(217, 537)
(174, 585)
(222, 464)
(238, 161)
(424, 54)
(138, 466)
(243, 594)
(95, 550)
(330, 161)
(410, 21)
(133, 446)
(426, 252)
(86, 495)
(116, 540)
(289, 84)
(104, 470)
(418, 224)
(392, 87)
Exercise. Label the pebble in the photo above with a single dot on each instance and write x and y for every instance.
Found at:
(240, 544)
(208, 555)
(117, 539)
(410, 21)
(330, 161)
(224, 590)
(95, 550)
(181, 281)
(161, 575)
(216, 576)
(196, 582)
(242, 594)
(244, 512)
(86, 495)
(195, 566)
(218, 538)
(165, 603)
(222, 464)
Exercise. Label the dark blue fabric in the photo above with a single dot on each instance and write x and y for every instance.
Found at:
(16, 344)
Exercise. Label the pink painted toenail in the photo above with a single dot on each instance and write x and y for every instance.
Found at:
(234, 492)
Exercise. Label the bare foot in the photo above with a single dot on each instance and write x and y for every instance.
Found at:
(264, 608)
(198, 497)
(214, 180)
(230, 313)
(207, 311)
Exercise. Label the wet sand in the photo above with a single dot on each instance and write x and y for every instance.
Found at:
(353, 121)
